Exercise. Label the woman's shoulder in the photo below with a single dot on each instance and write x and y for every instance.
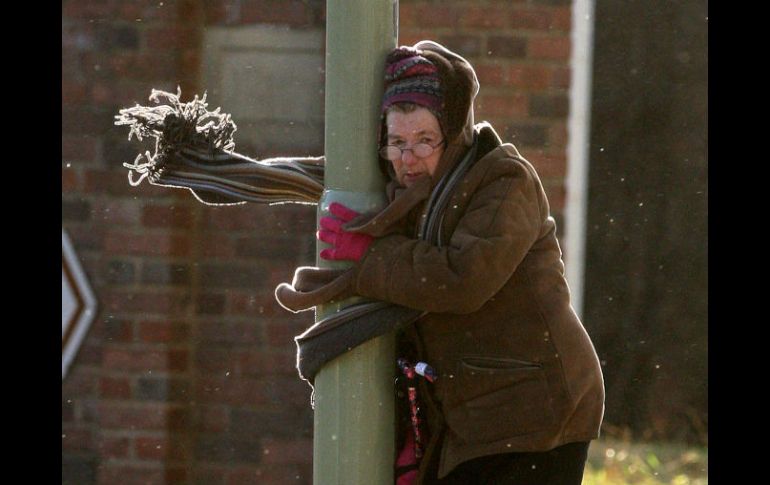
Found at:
(504, 161)
(492, 151)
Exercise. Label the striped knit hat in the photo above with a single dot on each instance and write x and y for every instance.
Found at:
(430, 75)
(411, 78)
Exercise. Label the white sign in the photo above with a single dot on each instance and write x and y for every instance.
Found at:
(78, 305)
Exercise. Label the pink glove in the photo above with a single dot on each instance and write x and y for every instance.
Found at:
(346, 245)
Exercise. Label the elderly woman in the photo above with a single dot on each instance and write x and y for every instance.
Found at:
(462, 262)
(518, 390)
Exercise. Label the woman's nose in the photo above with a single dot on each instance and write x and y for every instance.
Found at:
(408, 157)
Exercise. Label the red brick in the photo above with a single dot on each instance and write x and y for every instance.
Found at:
(102, 93)
(467, 45)
(87, 9)
(67, 411)
(89, 412)
(216, 246)
(167, 216)
(117, 212)
(429, 16)
(260, 362)
(147, 244)
(114, 447)
(407, 16)
(116, 183)
(272, 474)
(114, 388)
(175, 474)
(502, 105)
(121, 63)
(87, 118)
(219, 13)
(163, 332)
(562, 18)
(411, 37)
(232, 390)
(213, 419)
(291, 394)
(73, 92)
(89, 354)
(531, 17)
(121, 301)
(145, 67)
(490, 74)
(234, 333)
(214, 360)
(148, 416)
(78, 148)
(556, 196)
(172, 37)
(86, 238)
(129, 475)
(549, 166)
(282, 452)
(292, 12)
(69, 179)
(126, 360)
(116, 331)
(160, 448)
(178, 360)
(74, 439)
(130, 11)
(283, 332)
(209, 473)
(507, 46)
(79, 383)
(145, 361)
(530, 77)
(561, 77)
(148, 10)
(553, 48)
(243, 475)
(189, 61)
(246, 217)
(484, 17)
(251, 304)
(558, 135)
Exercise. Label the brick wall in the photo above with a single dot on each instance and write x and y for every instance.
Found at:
(521, 52)
(187, 373)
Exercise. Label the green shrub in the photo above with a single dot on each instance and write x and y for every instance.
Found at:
(614, 462)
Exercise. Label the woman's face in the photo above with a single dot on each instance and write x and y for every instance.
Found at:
(405, 130)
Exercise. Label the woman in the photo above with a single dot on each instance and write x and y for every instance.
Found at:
(518, 392)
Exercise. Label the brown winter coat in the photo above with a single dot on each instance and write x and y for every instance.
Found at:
(517, 370)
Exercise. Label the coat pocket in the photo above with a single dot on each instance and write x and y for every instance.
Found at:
(498, 398)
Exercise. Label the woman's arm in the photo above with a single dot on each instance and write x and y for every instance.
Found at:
(500, 224)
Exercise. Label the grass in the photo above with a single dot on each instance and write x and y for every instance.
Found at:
(616, 462)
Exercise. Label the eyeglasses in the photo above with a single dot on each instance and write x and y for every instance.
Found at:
(420, 150)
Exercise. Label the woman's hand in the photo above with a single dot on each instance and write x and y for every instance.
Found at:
(348, 246)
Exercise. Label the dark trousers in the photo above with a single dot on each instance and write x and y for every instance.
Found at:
(560, 466)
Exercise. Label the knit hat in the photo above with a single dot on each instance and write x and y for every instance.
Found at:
(459, 85)
(411, 78)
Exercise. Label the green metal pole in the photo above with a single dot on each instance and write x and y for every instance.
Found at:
(354, 398)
